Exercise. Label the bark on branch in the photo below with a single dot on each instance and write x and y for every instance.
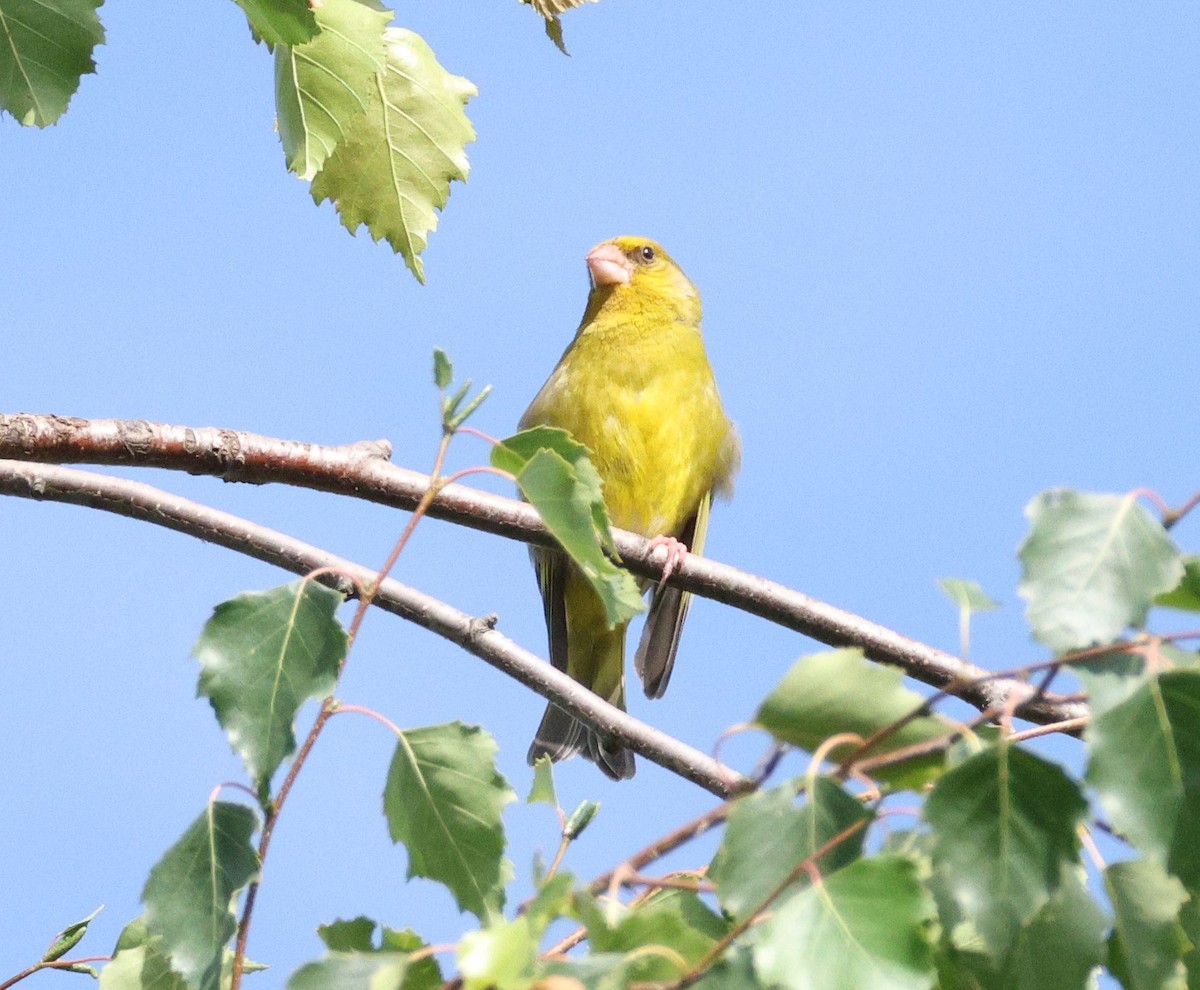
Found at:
(364, 471)
(473, 633)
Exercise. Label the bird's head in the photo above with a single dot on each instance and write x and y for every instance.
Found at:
(637, 270)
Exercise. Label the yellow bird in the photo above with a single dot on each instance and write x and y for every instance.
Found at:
(636, 387)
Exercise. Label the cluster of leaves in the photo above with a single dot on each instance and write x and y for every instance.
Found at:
(365, 111)
(986, 889)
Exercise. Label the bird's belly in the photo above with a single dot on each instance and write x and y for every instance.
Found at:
(655, 461)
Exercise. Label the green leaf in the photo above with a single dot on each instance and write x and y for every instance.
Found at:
(280, 22)
(1057, 950)
(263, 654)
(503, 955)
(1147, 945)
(1093, 565)
(1189, 920)
(424, 974)
(967, 595)
(394, 166)
(443, 800)
(554, 473)
(767, 836)
(596, 971)
(840, 691)
(355, 935)
(355, 962)
(676, 921)
(542, 790)
(1111, 678)
(735, 971)
(1145, 768)
(1004, 827)
(863, 928)
(141, 963)
(69, 937)
(322, 87)
(580, 819)
(45, 46)
(352, 971)
(443, 370)
(1186, 594)
(144, 967)
(552, 900)
(190, 891)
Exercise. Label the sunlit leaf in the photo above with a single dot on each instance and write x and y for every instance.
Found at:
(189, 894)
(45, 46)
(1186, 594)
(280, 22)
(838, 691)
(352, 971)
(503, 955)
(667, 933)
(392, 169)
(1093, 566)
(767, 836)
(443, 800)
(1004, 826)
(262, 655)
(323, 86)
(863, 928)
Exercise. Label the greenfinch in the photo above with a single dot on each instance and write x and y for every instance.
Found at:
(636, 387)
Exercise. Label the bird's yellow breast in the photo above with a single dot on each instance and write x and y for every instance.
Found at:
(637, 388)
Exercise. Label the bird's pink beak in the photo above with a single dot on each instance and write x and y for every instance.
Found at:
(608, 265)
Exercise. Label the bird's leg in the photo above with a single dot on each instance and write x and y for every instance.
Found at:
(676, 554)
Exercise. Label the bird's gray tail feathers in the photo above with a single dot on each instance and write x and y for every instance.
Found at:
(561, 735)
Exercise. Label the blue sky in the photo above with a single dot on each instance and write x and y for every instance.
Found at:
(948, 255)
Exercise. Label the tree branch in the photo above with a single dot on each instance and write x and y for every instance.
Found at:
(363, 471)
(475, 635)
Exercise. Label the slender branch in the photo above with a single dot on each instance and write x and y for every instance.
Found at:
(475, 635)
(363, 471)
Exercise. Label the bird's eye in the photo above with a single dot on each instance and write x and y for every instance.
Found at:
(646, 253)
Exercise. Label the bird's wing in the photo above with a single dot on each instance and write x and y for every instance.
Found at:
(668, 608)
(551, 568)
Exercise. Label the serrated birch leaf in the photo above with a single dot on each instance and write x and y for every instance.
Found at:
(1093, 566)
(280, 22)
(45, 46)
(767, 836)
(1147, 944)
(1004, 830)
(1145, 768)
(393, 169)
(189, 893)
(262, 655)
(322, 86)
(863, 928)
(443, 800)
(824, 694)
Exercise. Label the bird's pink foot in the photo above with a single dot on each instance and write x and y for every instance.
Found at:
(676, 554)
